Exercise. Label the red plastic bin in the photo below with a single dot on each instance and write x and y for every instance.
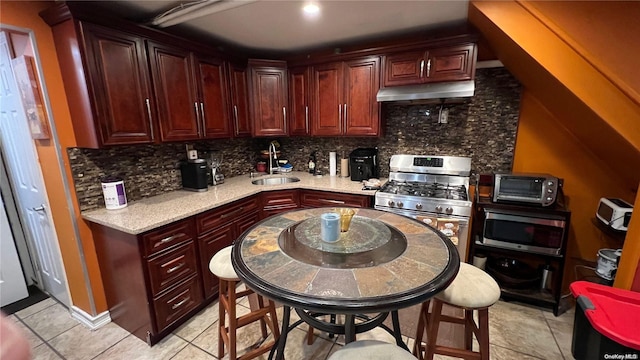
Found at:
(606, 322)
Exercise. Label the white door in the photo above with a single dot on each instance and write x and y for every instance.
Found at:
(12, 283)
(27, 182)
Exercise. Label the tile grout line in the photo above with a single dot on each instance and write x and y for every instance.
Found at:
(44, 342)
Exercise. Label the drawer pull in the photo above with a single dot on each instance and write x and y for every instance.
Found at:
(332, 201)
(224, 216)
(175, 268)
(168, 239)
(177, 305)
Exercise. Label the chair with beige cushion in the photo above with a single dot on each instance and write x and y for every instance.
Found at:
(472, 289)
(220, 265)
(371, 350)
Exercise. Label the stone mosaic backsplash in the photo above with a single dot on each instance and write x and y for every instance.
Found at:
(482, 127)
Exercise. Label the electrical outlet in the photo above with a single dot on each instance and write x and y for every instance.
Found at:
(443, 117)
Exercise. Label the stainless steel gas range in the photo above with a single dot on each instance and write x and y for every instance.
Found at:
(432, 189)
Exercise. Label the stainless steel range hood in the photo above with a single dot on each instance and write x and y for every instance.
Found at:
(445, 90)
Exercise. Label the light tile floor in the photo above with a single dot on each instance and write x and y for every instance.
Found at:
(516, 332)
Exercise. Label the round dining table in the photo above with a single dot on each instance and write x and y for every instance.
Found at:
(383, 263)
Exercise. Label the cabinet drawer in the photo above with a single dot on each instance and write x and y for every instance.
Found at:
(220, 216)
(283, 198)
(167, 236)
(168, 269)
(171, 306)
(326, 198)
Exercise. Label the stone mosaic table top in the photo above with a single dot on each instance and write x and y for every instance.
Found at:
(383, 263)
(153, 212)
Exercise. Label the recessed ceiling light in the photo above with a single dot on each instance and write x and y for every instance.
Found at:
(311, 9)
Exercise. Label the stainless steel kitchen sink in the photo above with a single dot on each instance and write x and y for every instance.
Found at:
(275, 180)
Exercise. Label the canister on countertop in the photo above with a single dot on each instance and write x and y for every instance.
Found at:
(344, 165)
(332, 163)
(114, 194)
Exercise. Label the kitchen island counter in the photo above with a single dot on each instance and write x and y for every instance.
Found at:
(150, 213)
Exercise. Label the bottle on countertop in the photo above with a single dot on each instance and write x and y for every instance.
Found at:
(312, 163)
(332, 163)
(344, 165)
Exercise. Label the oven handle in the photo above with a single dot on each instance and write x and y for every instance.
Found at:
(489, 215)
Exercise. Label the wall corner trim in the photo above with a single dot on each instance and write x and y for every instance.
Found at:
(92, 322)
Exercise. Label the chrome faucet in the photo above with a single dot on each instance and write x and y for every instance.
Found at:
(272, 157)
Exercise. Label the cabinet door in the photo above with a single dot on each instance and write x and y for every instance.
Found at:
(117, 67)
(327, 100)
(239, 101)
(404, 69)
(209, 245)
(269, 100)
(176, 92)
(361, 109)
(214, 98)
(451, 63)
(298, 116)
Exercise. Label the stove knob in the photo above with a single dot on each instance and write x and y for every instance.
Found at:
(400, 205)
(449, 210)
(418, 206)
(391, 203)
(438, 208)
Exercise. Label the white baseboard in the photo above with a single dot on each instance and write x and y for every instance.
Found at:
(92, 322)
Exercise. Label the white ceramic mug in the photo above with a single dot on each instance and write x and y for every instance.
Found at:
(330, 227)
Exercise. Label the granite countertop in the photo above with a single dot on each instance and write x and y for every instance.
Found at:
(150, 213)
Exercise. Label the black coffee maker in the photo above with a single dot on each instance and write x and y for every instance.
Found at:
(363, 164)
(195, 174)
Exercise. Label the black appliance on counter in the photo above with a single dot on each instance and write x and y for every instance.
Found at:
(195, 175)
(363, 164)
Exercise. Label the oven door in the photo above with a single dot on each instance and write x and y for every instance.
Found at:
(456, 228)
(531, 233)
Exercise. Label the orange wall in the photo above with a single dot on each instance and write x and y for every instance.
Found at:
(24, 14)
(575, 122)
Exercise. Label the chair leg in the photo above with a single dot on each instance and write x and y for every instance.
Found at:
(263, 324)
(233, 321)
(222, 291)
(468, 329)
(483, 336)
(310, 337)
(432, 326)
(422, 327)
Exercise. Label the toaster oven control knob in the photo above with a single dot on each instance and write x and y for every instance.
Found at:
(439, 208)
(400, 204)
(391, 203)
(418, 206)
(550, 191)
(550, 183)
(449, 210)
(549, 199)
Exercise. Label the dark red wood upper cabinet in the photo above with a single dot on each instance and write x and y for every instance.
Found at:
(452, 63)
(449, 63)
(239, 100)
(215, 115)
(344, 98)
(268, 97)
(119, 86)
(299, 101)
(175, 89)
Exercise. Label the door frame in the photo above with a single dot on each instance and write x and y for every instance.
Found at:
(54, 140)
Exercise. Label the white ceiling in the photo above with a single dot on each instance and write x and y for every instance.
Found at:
(279, 25)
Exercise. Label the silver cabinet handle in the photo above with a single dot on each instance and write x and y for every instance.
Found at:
(167, 239)
(331, 201)
(177, 305)
(239, 210)
(202, 110)
(306, 119)
(339, 113)
(428, 67)
(195, 106)
(175, 268)
(39, 208)
(149, 116)
(345, 117)
(422, 68)
(284, 113)
(235, 117)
